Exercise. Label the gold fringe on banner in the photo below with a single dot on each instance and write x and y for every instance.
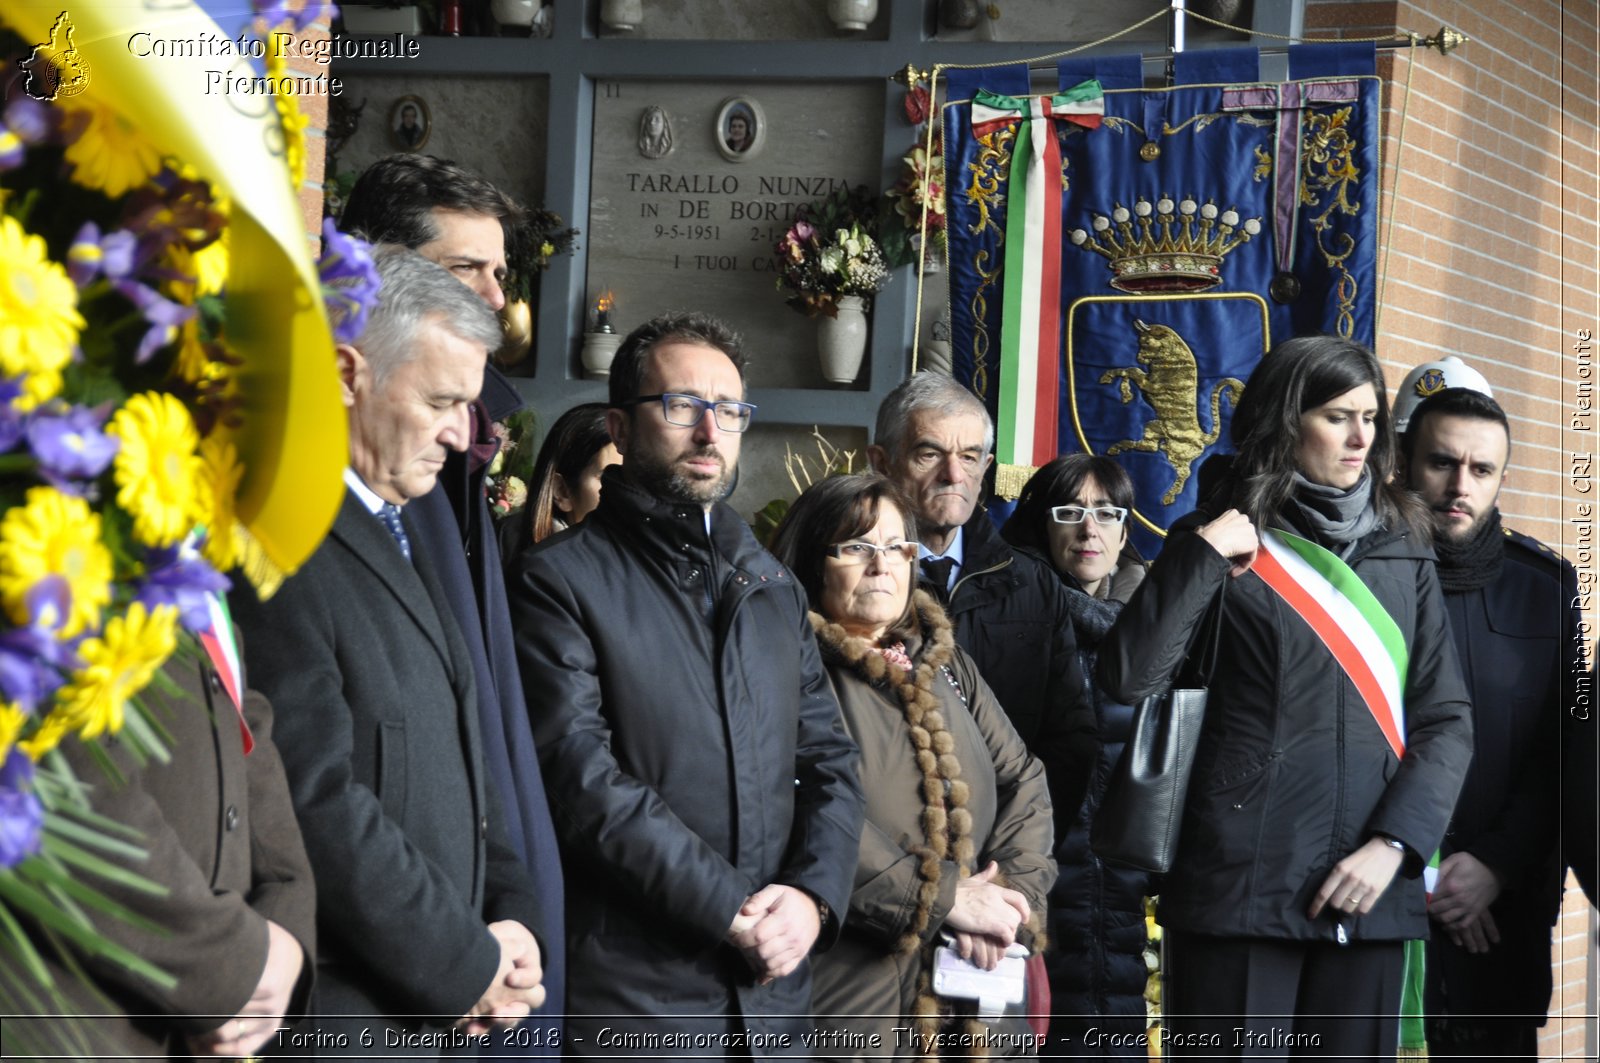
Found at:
(1009, 480)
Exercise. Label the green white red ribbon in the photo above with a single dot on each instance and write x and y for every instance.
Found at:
(1348, 618)
(1030, 331)
(223, 649)
(1368, 645)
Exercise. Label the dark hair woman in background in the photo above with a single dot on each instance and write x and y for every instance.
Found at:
(1315, 799)
(1074, 512)
(566, 478)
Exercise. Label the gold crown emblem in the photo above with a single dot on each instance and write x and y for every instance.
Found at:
(1166, 246)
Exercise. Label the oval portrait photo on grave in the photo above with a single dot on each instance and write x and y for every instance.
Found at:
(741, 129)
(409, 123)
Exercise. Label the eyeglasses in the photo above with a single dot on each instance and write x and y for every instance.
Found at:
(1101, 514)
(858, 553)
(686, 411)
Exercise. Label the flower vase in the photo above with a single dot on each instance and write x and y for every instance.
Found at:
(516, 324)
(621, 16)
(515, 14)
(599, 348)
(852, 16)
(842, 340)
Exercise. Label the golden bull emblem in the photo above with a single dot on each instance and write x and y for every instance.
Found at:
(1170, 383)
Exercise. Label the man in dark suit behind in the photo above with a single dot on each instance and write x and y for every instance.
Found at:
(451, 216)
(1510, 602)
(424, 911)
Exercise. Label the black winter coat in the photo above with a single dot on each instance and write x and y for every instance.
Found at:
(1097, 928)
(694, 754)
(1292, 773)
(1010, 614)
(1520, 657)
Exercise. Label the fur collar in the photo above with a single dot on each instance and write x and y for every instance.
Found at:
(946, 820)
(935, 648)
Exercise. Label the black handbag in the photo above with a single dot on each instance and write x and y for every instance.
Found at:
(1141, 812)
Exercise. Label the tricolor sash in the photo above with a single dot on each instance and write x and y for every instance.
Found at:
(1030, 335)
(1349, 620)
(1366, 642)
(223, 650)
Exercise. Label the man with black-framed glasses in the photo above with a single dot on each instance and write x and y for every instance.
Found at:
(704, 788)
(935, 440)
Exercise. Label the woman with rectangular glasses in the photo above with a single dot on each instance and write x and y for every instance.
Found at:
(1074, 514)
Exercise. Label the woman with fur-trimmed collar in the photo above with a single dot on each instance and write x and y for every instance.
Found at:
(959, 831)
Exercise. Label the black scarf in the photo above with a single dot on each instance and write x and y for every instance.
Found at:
(1475, 562)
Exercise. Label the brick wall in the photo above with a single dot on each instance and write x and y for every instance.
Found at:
(314, 107)
(1492, 257)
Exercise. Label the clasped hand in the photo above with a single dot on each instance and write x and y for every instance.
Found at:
(1461, 899)
(516, 989)
(985, 918)
(775, 930)
(263, 1013)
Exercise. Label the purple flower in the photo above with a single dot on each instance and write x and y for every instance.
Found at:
(32, 659)
(163, 314)
(30, 120)
(90, 256)
(21, 814)
(349, 281)
(271, 12)
(179, 576)
(70, 445)
(12, 424)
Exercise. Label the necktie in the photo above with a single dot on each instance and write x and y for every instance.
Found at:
(936, 570)
(389, 513)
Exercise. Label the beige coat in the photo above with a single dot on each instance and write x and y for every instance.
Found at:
(871, 981)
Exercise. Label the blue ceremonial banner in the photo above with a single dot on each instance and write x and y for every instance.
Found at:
(1199, 224)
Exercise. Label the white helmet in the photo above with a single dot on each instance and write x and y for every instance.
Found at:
(1430, 378)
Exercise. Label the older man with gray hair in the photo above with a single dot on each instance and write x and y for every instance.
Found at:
(424, 913)
(934, 438)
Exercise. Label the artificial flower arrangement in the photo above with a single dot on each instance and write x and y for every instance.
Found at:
(119, 474)
(831, 251)
(540, 236)
(505, 483)
(915, 199)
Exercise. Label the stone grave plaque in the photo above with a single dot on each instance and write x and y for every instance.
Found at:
(687, 203)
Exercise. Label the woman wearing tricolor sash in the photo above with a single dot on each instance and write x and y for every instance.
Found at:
(1337, 730)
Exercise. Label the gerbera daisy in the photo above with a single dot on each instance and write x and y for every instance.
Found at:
(54, 534)
(116, 666)
(39, 319)
(220, 481)
(157, 470)
(110, 153)
(11, 720)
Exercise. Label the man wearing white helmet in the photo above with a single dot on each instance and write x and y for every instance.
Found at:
(1508, 598)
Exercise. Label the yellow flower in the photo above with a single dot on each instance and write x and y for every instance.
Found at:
(220, 482)
(39, 319)
(211, 263)
(294, 123)
(157, 469)
(116, 666)
(54, 534)
(48, 735)
(11, 721)
(111, 154)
